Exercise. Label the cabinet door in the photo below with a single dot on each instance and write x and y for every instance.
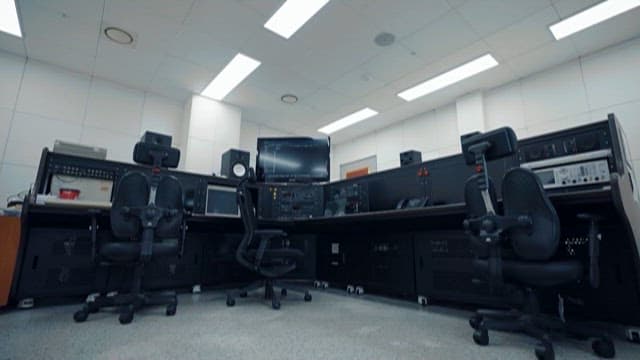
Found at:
(58, 262)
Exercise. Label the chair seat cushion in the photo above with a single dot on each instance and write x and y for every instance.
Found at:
(543, 274)
(130, 251)
(283, 253)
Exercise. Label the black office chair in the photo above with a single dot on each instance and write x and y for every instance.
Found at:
(263, 251)
(516, 252)
(147, 219)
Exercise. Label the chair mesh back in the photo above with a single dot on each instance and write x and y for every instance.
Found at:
(132, 190)
(476, 208)
(247, 209)
(523, 194)
(169, 196)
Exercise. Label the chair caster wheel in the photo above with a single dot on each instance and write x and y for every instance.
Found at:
(544, 351)
(422, 300)
(481, 337)
(317, 284)
(307, 297)
(475, 321)
(243, 294)
(275, 305)
(359, 290)
(126, 315)
(93, 307)
(81, 315)
(325, 285)
(350, 289)
(604, 347)
(230, 301)
(283, 292)
(171, 309)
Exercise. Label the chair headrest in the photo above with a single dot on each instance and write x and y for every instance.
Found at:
(501, 143)
(145, 153)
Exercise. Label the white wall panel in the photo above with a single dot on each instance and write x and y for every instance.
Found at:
(11, 67)
(53, 92)
(30, 133)
(15, 179)
(114, 107)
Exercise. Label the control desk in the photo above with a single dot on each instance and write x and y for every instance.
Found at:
(410, 252)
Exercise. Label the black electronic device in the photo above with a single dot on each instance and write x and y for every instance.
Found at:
(221, 201)
(290, 201)
(235, 164)
(413, 203)
(500, 143)
(410, 157)
(150, 137)
(349, 198)
(293, 159)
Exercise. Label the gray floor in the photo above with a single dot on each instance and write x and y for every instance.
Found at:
(333, 326)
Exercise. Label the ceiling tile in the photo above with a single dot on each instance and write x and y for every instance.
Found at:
(523, 36)
(175, 10)
(184, 74)
(79, 32)
(403, 17)
(356, 83)
(11, 44)
(279, 80)
(200, 48)
(393, 62)
(169, 89)
(606, 33)
(489, 16)
(264, 7)
(429, 43)
(567, 8)
(151, 31)
(128, 66)
(326, 100)
(548, 55)
(65, 55)
(229, 22)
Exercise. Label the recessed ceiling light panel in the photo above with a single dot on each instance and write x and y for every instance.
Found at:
(450, 77)
(289, 99)
(231, 76)
(118, 36)
(348, 120)
(9, 21)
(292, 15)
(591, 16)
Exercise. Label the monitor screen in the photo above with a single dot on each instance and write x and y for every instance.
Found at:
(293, 159)
(221, 201)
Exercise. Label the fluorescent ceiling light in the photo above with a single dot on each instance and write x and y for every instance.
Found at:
(292, 15)
(236, 70)
(593, 15)
(9, 22)
(348, 120)
(462, 72)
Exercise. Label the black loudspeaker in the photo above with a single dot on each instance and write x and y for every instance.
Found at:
(410, 157)
(235, 164)
(150, 137)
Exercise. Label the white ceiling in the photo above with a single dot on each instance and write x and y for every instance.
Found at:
(331, 63)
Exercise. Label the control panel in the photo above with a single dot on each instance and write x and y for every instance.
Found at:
(564, 144)
(347, 199)
(290, 201)
(586, 173)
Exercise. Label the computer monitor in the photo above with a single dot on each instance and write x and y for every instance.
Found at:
(293, 159)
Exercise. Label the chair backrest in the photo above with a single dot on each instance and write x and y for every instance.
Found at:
(523, 194)
(136, 188)
(247, 208)
(132, 190)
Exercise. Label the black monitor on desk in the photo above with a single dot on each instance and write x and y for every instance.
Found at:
(293, 159)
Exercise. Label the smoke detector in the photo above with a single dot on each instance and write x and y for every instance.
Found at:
(118, 35)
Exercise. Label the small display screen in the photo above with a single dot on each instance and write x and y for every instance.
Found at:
(221, 201)
(546, 177)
